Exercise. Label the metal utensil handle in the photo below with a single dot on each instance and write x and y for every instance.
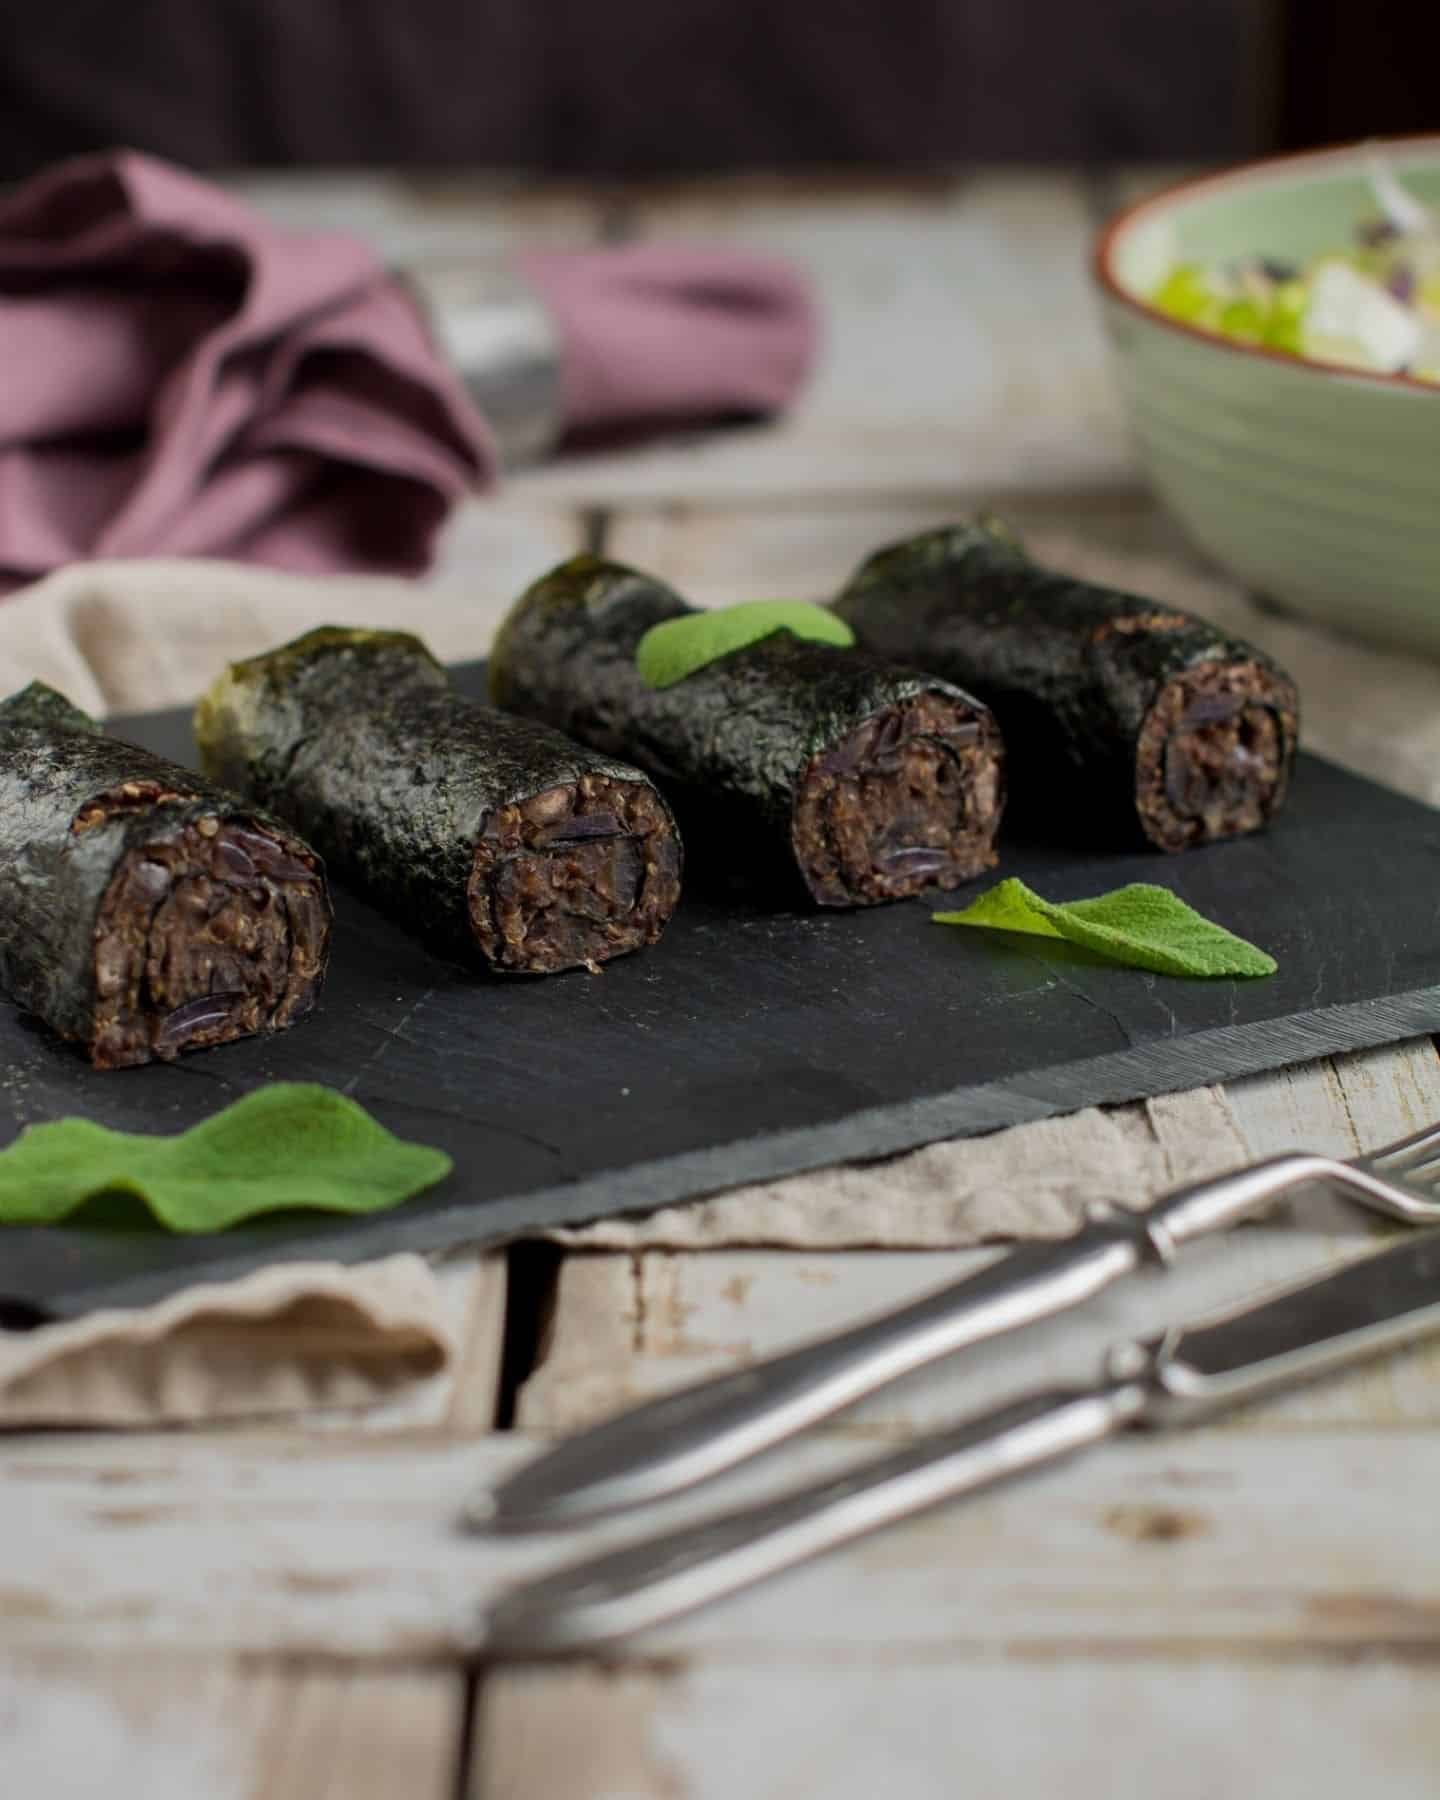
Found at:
(645, 1584)
(667, 1444)
(1224, 1200)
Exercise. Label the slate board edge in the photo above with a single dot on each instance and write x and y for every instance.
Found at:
(1125, 1075)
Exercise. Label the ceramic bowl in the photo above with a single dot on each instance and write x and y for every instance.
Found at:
(1316, 485)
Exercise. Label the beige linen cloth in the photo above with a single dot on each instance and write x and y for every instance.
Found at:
(130, 636)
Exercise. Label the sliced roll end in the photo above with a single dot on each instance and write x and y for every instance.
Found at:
(1215, 753)
(215, 929)
(574, 875)
(912, 799)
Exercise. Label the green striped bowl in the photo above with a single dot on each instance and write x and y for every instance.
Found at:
(1316, 485)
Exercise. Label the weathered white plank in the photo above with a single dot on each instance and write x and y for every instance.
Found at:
(1342, 1105)
(1302, 1540)
(717, 553)
(961, 347)
(355, 1734)
(69, 1727)
(272, 1541)
(421, 217)
(471, 1396)
(492, 549)
(1023, 1728)
(1186, 1543)
(79, 1728)
(578, 1734)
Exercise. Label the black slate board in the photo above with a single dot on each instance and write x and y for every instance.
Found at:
(751, 1044)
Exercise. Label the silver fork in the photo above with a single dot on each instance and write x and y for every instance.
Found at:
(685, 1437)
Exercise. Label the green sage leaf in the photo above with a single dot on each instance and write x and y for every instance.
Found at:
(292, 1144)
(1145, 926)
(675, 648)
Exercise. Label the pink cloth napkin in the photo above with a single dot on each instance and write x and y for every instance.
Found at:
(656, 333)
(180, 377)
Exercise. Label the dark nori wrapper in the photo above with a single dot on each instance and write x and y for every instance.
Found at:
(1124, 719)
(799, 767)
(143, 909)
(482, 833)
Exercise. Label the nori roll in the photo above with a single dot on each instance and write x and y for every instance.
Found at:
(1124, 720)
(485, 834)
(144, 911)
(817, 771)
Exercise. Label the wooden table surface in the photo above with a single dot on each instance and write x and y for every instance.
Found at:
(284, 1612)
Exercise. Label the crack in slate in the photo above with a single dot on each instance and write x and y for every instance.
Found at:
(1070, 987)
(468, 1119)
(389, 1035)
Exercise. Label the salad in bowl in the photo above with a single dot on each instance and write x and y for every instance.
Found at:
(1276, 329)
(1371, 304)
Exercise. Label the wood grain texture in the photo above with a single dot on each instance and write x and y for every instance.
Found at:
(422, 217)
(575, 1735)
(471, 1394)
(1308, 1542)
(83, 1728)
(991, 1728)
(279, 1541)
(716, 553)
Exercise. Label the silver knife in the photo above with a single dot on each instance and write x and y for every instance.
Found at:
(1291, 1335)
(683, 1437)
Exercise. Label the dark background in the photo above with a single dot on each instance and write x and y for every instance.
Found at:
(648, 86)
